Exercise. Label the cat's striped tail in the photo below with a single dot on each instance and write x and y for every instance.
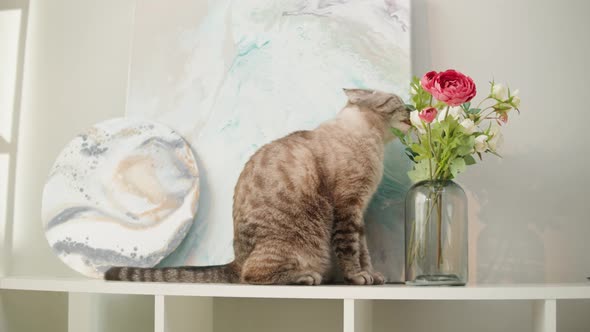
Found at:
(207, 274)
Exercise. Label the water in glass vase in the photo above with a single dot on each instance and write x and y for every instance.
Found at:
(436, 234)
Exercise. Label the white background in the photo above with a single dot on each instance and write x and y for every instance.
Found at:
(528, 212)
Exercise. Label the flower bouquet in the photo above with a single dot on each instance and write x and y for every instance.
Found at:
(448, 133)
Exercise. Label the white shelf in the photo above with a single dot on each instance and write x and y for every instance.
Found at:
(178, 307)
(384, 292)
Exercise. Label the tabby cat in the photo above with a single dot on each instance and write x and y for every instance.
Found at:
(299, 203)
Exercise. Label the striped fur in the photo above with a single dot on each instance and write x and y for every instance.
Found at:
(299, 203)
(215, 274)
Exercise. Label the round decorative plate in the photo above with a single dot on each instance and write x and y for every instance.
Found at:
(123, 193)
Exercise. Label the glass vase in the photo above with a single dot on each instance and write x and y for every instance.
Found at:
(436, 234)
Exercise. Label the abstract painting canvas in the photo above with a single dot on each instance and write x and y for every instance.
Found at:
(233, 75)
(123, 192)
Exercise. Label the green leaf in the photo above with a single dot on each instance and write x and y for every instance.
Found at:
(400, 134)
(420, 172)
(440, 105)
(469, 160)
(436, 129)
(466, 145)
(458, 166)
(502, 107)
(416, 99)
(466, 106)
(419, 149)
(474, 111)
(410, 151)
(411, 107)
(411, 154)
(445, 125)
(495, 153)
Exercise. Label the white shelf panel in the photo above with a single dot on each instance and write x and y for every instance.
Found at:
(159, 314)
(384, 292)
(545, 316)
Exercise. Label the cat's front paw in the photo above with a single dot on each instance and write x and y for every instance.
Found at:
(378, 278)
(311, 278)
(365, 278)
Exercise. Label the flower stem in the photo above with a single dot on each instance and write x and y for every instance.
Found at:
(481, 102)
(431, 206)
(439, 230)
(490, 113)
(429, 133)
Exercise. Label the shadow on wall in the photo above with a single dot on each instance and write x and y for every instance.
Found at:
(510, 240)
(13, 33)
(502, 251)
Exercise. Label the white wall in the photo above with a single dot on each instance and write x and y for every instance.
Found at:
(529, 216)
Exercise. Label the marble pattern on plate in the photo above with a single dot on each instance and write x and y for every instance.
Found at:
(232, 75)
(125, 192)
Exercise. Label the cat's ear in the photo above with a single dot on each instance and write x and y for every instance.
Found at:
(376, 100)
(356, 96)
(387, 103)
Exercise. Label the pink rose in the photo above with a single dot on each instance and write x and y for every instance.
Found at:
(428, 114)
(453, 88)
(427, 80)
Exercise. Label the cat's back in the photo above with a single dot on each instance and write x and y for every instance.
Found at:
(289, 164)
(304, 163)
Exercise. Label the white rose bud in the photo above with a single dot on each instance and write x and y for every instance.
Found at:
(500, 92)
(469, 126)
(497, 139)
(516, 101)
(481, 144)
(496, 142)
(456, 112)
(417, 122)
